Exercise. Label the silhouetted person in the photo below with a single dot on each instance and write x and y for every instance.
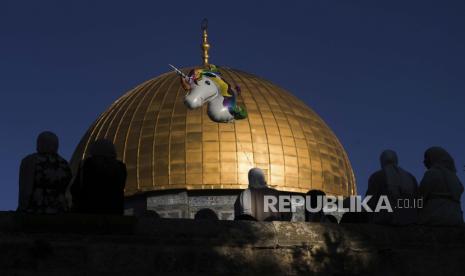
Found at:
(316, 198)
(440, 189)
(251, 201)
(399, 186)
(99, 184)
(43, 178)
(206, 214)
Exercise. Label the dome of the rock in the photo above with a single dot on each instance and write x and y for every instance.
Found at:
(167, 146)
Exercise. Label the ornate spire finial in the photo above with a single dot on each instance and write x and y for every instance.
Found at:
(205, 46)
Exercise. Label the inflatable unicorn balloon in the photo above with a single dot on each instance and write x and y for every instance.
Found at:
(207, 86)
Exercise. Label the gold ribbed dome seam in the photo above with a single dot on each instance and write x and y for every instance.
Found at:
(266, 87)
(239, 148)
(121, 133)
(298, 118)
(94, 128)
(283, 111)
(133, 132)
(258, 92)
(149, 87)
(160, 81)
(250, 125)
(109, 114)
(114, 115)
(335, 143)
(97, 128)
(120, 116)
(111, 131)
(141, 97)
(154, 151)
(312, 158)
(169, 137)
(263, 91)
(108, 118)
(171, 107)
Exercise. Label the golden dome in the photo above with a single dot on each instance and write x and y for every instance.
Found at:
(167, 146)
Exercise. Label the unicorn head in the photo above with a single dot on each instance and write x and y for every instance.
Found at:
(207, 86)
(201, 88)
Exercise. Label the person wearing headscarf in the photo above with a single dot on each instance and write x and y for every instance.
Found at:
(440, 189)
(43, 178)
(399, 186)
(99, 183)
(250, 203)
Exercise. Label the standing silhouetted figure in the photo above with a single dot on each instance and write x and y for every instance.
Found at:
(99, 184)
(440, 189)
(399, 186)
(250, 203)
(43, 178)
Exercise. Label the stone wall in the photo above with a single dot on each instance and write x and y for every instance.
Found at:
(114, 245)
(185, 204)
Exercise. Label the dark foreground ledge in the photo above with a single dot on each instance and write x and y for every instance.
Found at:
(75, 244)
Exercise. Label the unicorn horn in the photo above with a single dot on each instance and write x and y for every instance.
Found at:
(178, 71)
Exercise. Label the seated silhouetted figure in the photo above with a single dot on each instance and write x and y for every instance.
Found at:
(206, 214)
(440, 189)
(43, 178)
(99, 184)
(316, 198)
(398, 185)
(250, 203)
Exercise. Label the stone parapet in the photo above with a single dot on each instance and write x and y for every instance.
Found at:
(75, 244)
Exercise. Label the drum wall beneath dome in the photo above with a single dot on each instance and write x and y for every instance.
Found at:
(185, 204)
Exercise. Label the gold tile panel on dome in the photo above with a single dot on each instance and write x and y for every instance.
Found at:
(168, 146)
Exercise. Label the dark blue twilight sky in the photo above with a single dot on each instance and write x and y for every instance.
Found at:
(382, 74)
